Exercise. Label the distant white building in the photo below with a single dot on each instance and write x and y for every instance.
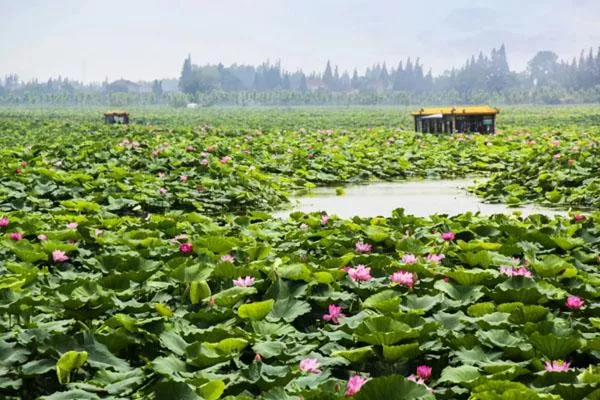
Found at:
(192, 105)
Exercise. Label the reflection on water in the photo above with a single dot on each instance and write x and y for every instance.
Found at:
(420, 198)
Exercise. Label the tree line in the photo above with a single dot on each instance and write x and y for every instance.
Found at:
(482, 78)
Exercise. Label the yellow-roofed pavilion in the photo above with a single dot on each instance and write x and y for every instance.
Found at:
(453, 119)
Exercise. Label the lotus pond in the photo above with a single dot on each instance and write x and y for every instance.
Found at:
(144, 262)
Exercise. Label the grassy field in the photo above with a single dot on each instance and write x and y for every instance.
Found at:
(141, 261)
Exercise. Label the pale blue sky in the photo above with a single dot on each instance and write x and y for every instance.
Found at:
(146, 39)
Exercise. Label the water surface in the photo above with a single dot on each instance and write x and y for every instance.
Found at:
(420, 198)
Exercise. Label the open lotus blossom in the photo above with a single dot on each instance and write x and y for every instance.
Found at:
(228, 258)
(515, 271)
(244, 282)
(574, 302)
(16, 236)
(435, 258)
(58, 163)
(335, 312)
(310, 365)
(557, 366)
(409, 259)
(72, 225)
(324, 219)
(183, 178)
(448, 235)
(360, 273)
(204, 162)
(362, 247)
(556, 156)
(190, 148)
(424, 371)
(42, 237)
(4, 222)
(162, 190)
(186, 248)
(59, 256)
(304, 226)
(354, 384)
(225, 160)
(404, 278)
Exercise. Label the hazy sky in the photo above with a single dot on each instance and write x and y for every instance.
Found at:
(147, 39)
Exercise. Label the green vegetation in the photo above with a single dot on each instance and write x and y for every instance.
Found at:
(141, 262)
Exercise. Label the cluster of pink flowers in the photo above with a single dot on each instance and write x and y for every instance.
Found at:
(574, 302)
(359, 273)
(310, 365)
(403, 278)
(409, 259)
(422, 375)
(435, 258)
(59, 256)
(515, 271)
(362, 247)
(228, 258)
(557, 366)
(448, 235)
(186, 248)
(4, 222)
(243, 282)
(354, 384)
(335, 312)
(16, 236)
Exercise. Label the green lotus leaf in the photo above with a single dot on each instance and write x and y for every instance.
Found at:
(255, 311)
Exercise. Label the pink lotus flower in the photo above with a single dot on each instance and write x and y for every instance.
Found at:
(360, 273)
(228, 258)
(135, 145)
(98, 232)
(403, 278)
(59, 256)
(409, 259)
(363, 247)
(578, 217)
(244, 282)
(189, 149)
(310, 365)
(161, 174)
(435, 258)
(72, 225)
(515, 271)
(183, 178)
(556, 156)
(4, 222)
(574, 302)
(42, 237)
(448, 235)
(162, 190)
(186, 248)
(209, 149)
(304, 226)
(16, 236)
(335, 312)
(324, 219)
(258, 357)
(204, 162)
(571, 162)
(58, 163)
(557, 366)
(225, 160)
(424, 371)
(354, 384)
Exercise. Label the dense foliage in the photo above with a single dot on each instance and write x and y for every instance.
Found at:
(138, 262)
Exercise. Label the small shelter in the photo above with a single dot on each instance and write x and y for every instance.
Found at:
(116, 117)
(480, 119)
